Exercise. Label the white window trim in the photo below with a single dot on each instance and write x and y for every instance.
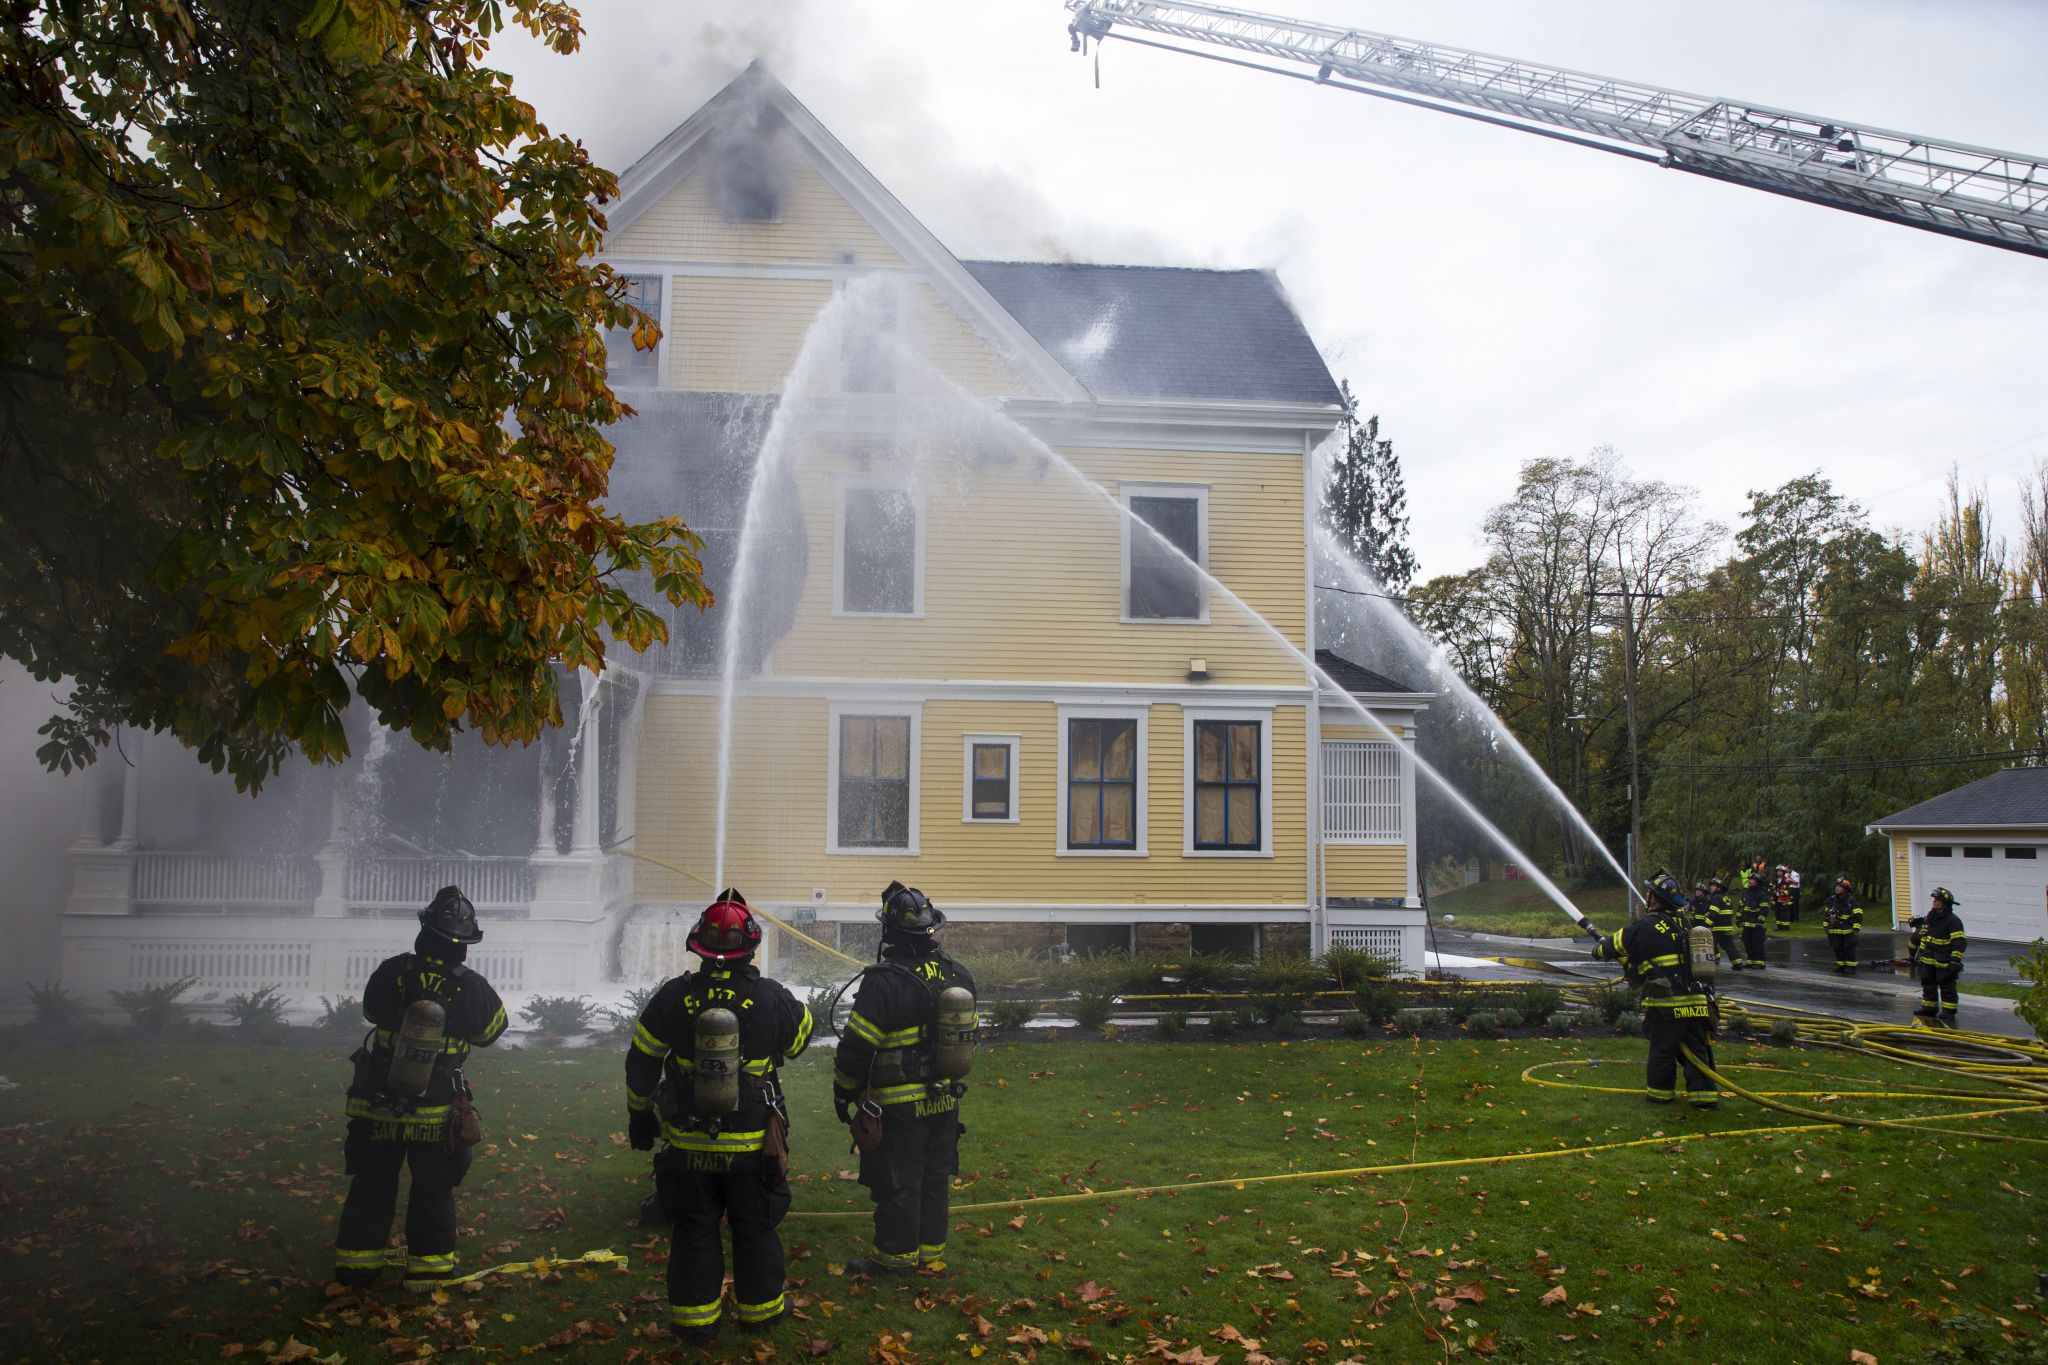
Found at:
(1189, 715)
(1142, 716)
(848, 483)
(1125, 492)
(1014, 743)
(914, 712)
(1404, 768)
(660, 378)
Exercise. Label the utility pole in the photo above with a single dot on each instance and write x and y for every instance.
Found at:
(1628, 691)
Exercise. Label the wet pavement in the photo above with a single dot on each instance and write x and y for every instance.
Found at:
(1800, 975)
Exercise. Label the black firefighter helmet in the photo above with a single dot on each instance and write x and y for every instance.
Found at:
(907, 913)
(450, 915)
(1663, 887)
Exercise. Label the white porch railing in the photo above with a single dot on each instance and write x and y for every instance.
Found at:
(221, 966)
(409, 883)
(188, 880)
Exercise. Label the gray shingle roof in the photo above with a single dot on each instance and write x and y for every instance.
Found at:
(1356, 677)
(2017, 796)
(1130, 331)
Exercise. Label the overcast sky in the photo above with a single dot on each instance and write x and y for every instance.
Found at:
(1493, 296)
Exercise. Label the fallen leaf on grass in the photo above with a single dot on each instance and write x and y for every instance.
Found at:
(818, 1346)
(1553, 1297)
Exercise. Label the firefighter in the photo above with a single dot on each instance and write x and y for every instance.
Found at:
(1696, 906)
(1750, 917)
(428, 1010)
(890, 1087)
(1842, 917)
(1785, 896)
(708, 1044)
(1721, 921)
(1937, 946)
(1651, 948)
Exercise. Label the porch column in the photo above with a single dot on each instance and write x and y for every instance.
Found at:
(583, 837)
(332, 859)
(92, 832)
(544, 832)
(131, 797)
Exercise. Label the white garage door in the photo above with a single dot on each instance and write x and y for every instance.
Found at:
(2001, 890)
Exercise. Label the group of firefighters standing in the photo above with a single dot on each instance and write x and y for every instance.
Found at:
(702, 1077)
(702, 1084)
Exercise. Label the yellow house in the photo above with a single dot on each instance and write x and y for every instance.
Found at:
(946, 505)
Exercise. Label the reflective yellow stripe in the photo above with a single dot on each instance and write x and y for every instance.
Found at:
(685, 1139)
(863, 1030)
(757, 1312)
(494, 1028)
(354, 1259)
(359, 1108)
(648, 1043)
(903, 1258)
(931, 1253)
(901, 1094)
(693, 1314)
(1663, 960)
(843, 1082)
(639, 1104)
(442, 1261)
(803, 1035)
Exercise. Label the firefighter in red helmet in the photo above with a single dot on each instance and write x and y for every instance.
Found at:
(709, 1043)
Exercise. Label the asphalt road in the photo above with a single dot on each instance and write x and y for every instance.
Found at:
(1799, 975)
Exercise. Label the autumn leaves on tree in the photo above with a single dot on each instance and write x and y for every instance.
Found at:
(302, 378)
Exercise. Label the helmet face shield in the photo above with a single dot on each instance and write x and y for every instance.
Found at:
(451, 915)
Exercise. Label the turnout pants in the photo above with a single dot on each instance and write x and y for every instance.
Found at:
(1668, 1024)
(1726, 944)
(1938, 991)
(1844, 943)
(753, 1206)
(909, 1175)
(1754, 937)
(373, 1164)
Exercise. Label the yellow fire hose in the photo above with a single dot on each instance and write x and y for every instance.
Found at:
(778, 922)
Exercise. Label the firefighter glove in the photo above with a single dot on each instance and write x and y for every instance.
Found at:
(642, 1128)
(842, 1110)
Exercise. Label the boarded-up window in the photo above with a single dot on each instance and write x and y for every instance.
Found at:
(1227, 780)
(1362, 792)
(990, 782)
(874, 782)
(1102, 784)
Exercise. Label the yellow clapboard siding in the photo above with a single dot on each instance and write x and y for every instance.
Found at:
(817, 226)
(1023, 577)
(739, 335)
(1365, 869)
(1902, 879)
(776, 844)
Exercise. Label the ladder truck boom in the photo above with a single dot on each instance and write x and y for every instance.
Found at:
(1975, 193)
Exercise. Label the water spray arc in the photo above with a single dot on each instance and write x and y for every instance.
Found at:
(994, 428)
(1367, 589)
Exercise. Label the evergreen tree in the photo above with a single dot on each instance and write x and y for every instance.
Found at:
(1365, 501)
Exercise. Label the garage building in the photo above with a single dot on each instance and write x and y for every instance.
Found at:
(1987, 842)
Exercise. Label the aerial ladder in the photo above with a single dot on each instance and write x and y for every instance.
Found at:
(1975, 193)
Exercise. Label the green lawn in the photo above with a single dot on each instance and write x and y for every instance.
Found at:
(1519, 909)
(177, 1201)
(2005, 990)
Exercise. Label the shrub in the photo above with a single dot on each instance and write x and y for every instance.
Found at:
(1109, 1032)
(1350, 966)
(1414, 1021)
(1143, 973)
(1611, 1002)
(1785, 1031)
(1482, 1023)
(1204, 972)
(1093, 1009)
(1223, 1023)
(1357, 1024)
(1005, 972)
(1511, 1019)
(620, 1019)
(257, 1010)
(558, 1016)
(1006, 1015)
(1461, 1005)
(156, 1006)
(1173, 1023)
(1537, 1002)
(1378, 1001)
(54, 1006)
(1629, 1023)
(2032, 968)
(341, 1015)
(1286, 1023)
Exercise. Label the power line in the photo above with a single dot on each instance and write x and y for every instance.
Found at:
(1906, 608)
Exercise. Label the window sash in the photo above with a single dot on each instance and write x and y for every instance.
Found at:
(1227, 784)
(990, 790)
(623, 361)
(1102, 783)
(878, 552)
(1163, 587)
(1363, 801)
(874, 782)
